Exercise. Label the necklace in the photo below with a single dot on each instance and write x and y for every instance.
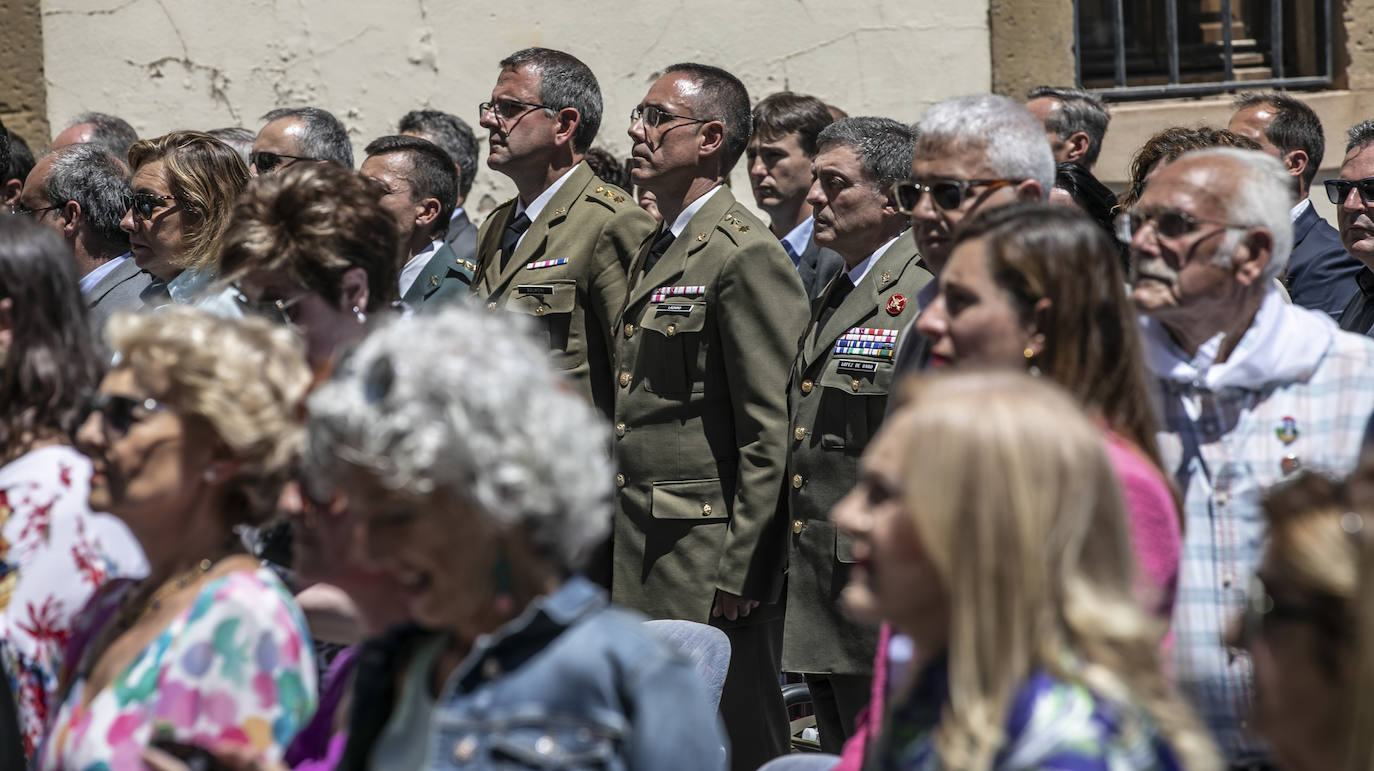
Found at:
(131, 611)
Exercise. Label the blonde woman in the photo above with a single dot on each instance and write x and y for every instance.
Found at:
(990, 529)
(1308, 625)
(192, 433)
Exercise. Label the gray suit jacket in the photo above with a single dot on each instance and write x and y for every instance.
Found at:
(462, 238)
(118, 291)
(816, 267)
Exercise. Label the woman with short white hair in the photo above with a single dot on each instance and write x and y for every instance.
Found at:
(483, 483)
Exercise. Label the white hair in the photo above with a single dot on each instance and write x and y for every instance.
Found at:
(1261, 196)
(1011, 139)
(462, 403)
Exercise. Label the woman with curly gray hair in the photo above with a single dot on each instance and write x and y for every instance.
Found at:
(483, 482)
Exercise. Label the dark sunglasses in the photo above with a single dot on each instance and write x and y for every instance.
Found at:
(266, 161)
(119, 413)
(948, 194)
(1169, 223)
(508, 109)
(1337, 190)
(143, 204)
(272, 310)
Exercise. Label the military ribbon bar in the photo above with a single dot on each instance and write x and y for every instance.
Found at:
(664, 292)
(547, 263)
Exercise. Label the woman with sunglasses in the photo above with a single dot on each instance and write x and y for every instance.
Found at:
(184, 186)
(191, 435)
(990, 530)
(1308, 624)
(54, 551)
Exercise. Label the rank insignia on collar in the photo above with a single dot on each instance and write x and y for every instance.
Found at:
(1287, 432)
(895, 305)
(886, 278)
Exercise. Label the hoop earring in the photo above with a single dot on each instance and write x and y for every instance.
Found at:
(358, 312)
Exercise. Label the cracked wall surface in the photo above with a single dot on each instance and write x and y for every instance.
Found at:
(165, 64)
(22, 92)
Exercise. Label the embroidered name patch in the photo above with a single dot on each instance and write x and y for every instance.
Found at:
(847, 367)
(664, 292)
(547, 263)
(674, 310)
(868, 341)
(534, 289)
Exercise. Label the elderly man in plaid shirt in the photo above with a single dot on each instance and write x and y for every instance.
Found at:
(1253, 389)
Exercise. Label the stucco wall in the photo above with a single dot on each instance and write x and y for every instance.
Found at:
(201, 64)
(22, 92)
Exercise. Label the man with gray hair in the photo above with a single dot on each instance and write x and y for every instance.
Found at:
(1353, 192)
(112, 134)
(975, 153)
(1252, 389)
(845, 361)
(454, 136)
(299, 134)
(79, 191)
(1075, 122)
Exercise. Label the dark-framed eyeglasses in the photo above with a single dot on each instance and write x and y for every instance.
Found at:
(1169, 223)
(119, 413)
(507, 110)
(653, 116)
(266, 161)
(273, 310)
(1337, 190)
(143, 204)
(20, 210)
(948, 194)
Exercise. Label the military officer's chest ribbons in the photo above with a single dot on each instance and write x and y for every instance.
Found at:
(547, 263)
(868, 341)
(664, 292)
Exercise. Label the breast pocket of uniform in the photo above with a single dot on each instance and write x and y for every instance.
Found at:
(669, 354)
(552, 303)
(854, 395)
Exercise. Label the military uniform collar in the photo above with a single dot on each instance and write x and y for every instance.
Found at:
(680, 224)
(541, 202)
(857, 273)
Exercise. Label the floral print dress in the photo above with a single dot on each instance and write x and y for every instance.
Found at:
(237, 666)
(54, 554)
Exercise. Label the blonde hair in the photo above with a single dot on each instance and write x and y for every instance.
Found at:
(245, 378)
(205, 176)
(1017, 505)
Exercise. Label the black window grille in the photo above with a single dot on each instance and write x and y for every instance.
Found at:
(1149, 49)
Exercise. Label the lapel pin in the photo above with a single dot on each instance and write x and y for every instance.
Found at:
(895, 305)
(1287, 432)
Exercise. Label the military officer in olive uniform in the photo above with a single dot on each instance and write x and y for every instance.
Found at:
(837, 394)
(560, 251)
(709, 328)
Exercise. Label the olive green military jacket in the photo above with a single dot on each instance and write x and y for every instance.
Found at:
(702, 351)
(568, 274)
(446, 278)
(837, 396)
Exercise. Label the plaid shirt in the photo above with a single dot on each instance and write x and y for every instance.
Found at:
(1226, 447)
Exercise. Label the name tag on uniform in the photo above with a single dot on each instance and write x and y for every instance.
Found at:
(534, 289)
(856, 367)
(674, 310)
(547, 263)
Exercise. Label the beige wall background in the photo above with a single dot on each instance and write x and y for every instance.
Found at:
(162, 64)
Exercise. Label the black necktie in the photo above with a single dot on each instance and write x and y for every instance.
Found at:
(843, 286)
(656, 251)
(511, 236)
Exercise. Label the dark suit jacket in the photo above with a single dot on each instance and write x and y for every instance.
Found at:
(118, 291)
(1321, 274)
(816, 267)
(461, 237)
(445, 278)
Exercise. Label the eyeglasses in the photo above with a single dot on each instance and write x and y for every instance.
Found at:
(1169, 223)
(948, 194)
(1262, 610)
(272, 310)
(142, 204)
(266, 161)
(119, 413)
(507, 110)
(20, 210)
(653, 117)
(1337, 190)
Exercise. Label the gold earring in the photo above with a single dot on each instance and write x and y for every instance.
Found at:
(1028, 353)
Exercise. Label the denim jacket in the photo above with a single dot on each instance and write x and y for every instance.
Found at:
(574, 683)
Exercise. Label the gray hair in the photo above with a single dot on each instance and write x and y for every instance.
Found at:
(95, 179)
(478, 413)
(1011, 140)
(325, 137)
(452, 134)
(1079, 110)
(884, 146)
(564, 81)
(112, 133)
(237, 137)
(1261, 196)
(1360, 134)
